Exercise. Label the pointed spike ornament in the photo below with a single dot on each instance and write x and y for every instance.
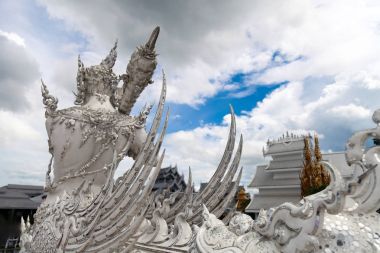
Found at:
(150, 45)
(139, 73)
(48, 100)
(110, 60)
(27, 225)
(23, 227)
(80, 95)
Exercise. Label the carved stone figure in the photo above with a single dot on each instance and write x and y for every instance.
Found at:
(87, 142)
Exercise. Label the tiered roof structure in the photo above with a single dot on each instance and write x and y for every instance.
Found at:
(15, 196)
(279, 180)
(169, 178)
(17, 201)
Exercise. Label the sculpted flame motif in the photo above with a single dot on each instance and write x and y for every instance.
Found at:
(86, 210)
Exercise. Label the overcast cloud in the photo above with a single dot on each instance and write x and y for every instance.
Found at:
(18, 70)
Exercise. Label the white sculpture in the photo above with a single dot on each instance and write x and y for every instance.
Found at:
(84, 207)
(87, 211)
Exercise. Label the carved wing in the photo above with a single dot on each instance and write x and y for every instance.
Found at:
(220, 190)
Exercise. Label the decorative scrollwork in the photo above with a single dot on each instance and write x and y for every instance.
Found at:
(48, 100)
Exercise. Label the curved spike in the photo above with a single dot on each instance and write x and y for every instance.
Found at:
(219, 210)
(132, 172)
(125, 216)
(226, 183)
(223, 164)
(110, 60)
(190, 179)
(48, 100)
(104, 238)
(219, 194)
(205, 210)
(187, 197)
(239, 176)
(80, 63)
(23, 226)
(129, 198)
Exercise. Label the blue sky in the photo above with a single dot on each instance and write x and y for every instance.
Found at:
(185, 117)
(311, 68)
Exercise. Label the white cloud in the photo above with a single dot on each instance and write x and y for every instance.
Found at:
(23, 147)
(14, 38)
(18, 72)
(197, 46)
(13, 128)
(349, 110)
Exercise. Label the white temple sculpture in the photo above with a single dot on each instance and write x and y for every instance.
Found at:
(86, 210)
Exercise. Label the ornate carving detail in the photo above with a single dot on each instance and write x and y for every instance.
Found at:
(97, 80)
(48, 100)
(240, 224)
(139, 73)
(366, 180)
(141, 119)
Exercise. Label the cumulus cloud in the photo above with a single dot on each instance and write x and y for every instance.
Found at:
(203, 43)
(18, 71)
(199, 42)
(23, 146)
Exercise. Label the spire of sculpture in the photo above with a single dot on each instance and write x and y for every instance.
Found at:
(110, 60)
(143, 61)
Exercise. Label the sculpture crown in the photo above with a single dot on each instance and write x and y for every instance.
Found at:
(98, 79)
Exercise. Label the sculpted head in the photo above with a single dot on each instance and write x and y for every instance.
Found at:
(98, 84)
(98, 79)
